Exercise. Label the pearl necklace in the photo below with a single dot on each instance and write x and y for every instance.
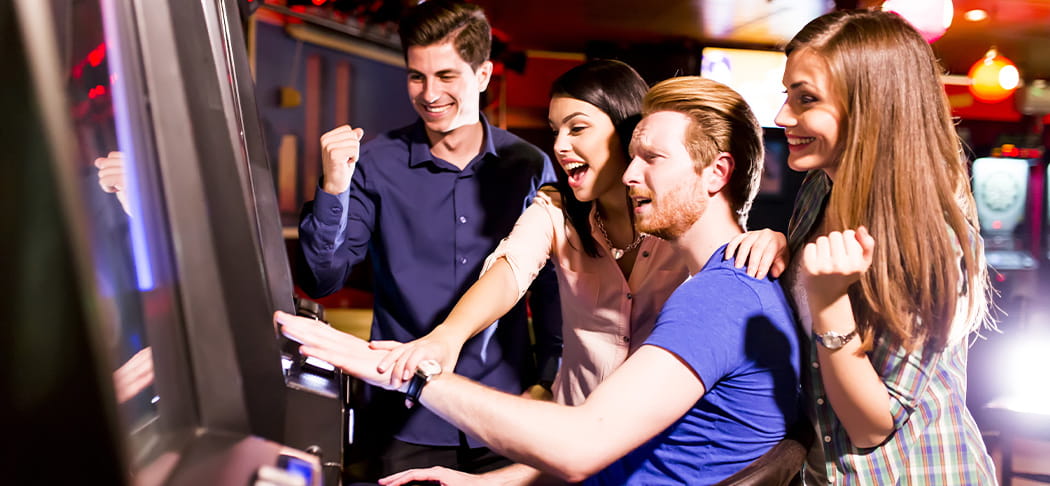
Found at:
(616, 252)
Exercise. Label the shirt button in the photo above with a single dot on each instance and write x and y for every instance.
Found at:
(336, 210)
(820, 401)
(630, 296)
(816, 364)
(827, 438)
(645, 254)
(463, 261)
(627, 339)
(462, 220)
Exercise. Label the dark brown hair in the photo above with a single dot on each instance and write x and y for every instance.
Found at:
(437, 21)
(617, 90)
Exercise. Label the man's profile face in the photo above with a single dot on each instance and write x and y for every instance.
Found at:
(666, 191)
(443, 88)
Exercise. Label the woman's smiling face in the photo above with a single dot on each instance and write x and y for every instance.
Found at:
(587, 147)
(811, 115)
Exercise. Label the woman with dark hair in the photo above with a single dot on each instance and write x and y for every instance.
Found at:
(889, 276)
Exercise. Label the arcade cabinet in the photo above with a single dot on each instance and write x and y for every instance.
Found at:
(1009, 189)
(142, 333)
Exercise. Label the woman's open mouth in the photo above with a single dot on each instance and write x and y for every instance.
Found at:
(576, 172)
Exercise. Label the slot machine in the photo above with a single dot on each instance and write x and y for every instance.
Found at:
(1009, 190)
(144, 211)
(1003, 195)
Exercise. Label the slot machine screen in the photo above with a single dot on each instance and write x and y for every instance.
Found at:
(1001, 191)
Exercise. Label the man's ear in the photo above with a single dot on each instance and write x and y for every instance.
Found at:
(484, 74)
(717, 174)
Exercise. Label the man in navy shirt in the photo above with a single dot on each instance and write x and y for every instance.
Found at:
(715, 385)
(429, 201)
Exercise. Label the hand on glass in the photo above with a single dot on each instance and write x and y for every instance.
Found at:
(345, 351)
(134, 376)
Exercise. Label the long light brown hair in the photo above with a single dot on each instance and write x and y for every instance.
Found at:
(902, 174)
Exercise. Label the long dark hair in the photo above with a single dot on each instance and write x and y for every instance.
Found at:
(617, 90)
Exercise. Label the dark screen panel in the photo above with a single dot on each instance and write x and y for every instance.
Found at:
(49, 377)
(779, 185)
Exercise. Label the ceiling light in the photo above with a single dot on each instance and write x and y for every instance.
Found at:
(993, 77)
(975, 15)
(930, 18)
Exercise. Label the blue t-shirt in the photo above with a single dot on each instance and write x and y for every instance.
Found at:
(738, 335)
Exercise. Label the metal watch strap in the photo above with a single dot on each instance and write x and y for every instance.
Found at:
(833, 340)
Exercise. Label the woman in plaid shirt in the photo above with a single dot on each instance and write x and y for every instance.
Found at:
(889, 275)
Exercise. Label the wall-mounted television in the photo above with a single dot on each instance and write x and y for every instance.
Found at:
(756, 75)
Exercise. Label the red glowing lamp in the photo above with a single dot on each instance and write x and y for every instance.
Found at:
(993, 78)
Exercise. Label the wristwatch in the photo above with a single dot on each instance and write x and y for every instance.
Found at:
(425, 371)
(833, 340)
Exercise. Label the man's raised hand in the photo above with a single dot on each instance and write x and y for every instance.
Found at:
(340, 149)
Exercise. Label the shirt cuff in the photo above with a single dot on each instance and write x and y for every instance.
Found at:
(330, 208)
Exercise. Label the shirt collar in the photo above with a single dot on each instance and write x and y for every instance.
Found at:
(419, 148)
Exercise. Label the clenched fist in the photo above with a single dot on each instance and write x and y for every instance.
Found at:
(835, 261)
(340, 149)
(111, 177)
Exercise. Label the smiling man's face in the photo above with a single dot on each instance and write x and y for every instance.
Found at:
(443, 88)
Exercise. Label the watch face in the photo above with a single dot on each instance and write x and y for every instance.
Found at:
(833, 341)
(429, 367)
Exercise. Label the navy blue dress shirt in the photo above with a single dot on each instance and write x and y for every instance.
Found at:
(428, 226)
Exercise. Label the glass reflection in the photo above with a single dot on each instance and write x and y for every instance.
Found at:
(107, 178)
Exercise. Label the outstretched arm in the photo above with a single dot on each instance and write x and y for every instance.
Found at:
(486, 301)
(651, 390)
(509, 271)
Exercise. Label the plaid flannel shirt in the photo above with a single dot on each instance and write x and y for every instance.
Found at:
(935, 439)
